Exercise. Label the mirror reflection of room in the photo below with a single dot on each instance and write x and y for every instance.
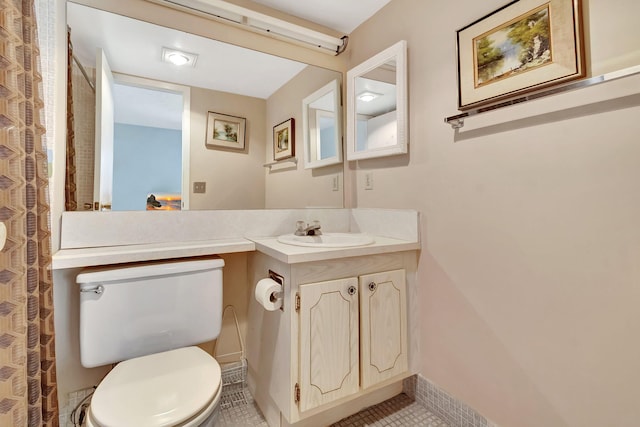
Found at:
(322, 128)
(322, 124)
(376, 107)
(155, 157)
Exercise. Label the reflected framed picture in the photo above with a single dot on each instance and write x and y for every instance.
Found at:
(284, 142)
(225, 131)
(522, 47)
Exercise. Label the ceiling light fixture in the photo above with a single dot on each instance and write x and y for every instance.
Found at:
(261, 23)
(178, 57)
(368, 96)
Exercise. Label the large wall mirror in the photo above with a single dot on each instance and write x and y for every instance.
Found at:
(140, 121)
(377, 105)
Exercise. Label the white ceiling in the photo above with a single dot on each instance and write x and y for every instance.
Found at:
(385, 102)
(143, 107)
(341, 15)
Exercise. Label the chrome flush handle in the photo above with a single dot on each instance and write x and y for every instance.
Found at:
(97, 290)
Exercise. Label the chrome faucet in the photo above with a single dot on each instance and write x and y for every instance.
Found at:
(312, 229)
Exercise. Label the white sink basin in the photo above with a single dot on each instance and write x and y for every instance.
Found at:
(328, 240)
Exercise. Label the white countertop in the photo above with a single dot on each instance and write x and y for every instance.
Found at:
(103, 238)
(86, 257)
(296, 254)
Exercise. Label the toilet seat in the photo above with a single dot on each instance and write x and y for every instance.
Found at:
(203, 418)
(175, 388)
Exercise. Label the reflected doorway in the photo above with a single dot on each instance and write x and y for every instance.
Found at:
(150, 147)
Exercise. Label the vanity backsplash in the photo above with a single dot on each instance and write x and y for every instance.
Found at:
(92, 230)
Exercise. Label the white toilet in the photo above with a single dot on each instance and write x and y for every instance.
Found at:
(148, 316)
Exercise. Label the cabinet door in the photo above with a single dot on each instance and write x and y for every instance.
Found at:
(328, 342)
(383, 326)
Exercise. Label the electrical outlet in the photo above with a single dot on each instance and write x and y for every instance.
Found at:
(199, 187)
(335, 183)
(368, 181)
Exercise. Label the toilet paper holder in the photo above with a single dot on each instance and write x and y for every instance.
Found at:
(277, 295)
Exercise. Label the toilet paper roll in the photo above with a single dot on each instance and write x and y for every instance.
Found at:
(265, 290)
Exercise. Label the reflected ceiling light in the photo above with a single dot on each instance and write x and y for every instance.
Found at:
(368, 96)
(259, 22)
(178, 57)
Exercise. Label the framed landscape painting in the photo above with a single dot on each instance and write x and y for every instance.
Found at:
(284, 142)
(525, 46)
(225, 131)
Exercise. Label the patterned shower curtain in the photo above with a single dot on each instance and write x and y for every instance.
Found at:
(28, 393)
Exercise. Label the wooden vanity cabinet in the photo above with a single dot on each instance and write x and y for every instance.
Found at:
(341, 338)
(383, 326)
(352, 335)
(328, 345)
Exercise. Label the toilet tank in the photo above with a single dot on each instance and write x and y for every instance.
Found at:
(138, 309)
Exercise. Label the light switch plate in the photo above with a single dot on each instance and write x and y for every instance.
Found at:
(368, 181)
(335, 183)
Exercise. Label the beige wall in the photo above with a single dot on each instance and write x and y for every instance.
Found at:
(235, 179)
(529, 270)
(292, 185)
(236, 293)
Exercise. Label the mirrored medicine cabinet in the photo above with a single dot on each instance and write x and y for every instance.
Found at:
(377, 105)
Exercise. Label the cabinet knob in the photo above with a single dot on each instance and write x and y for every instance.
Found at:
(351, 290)
(372, 286)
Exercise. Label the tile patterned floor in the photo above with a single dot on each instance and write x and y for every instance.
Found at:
(399, 411)
(241, 415)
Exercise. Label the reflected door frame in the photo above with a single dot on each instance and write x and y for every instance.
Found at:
(104, 133)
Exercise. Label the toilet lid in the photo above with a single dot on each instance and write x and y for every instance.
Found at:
(158, 390)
